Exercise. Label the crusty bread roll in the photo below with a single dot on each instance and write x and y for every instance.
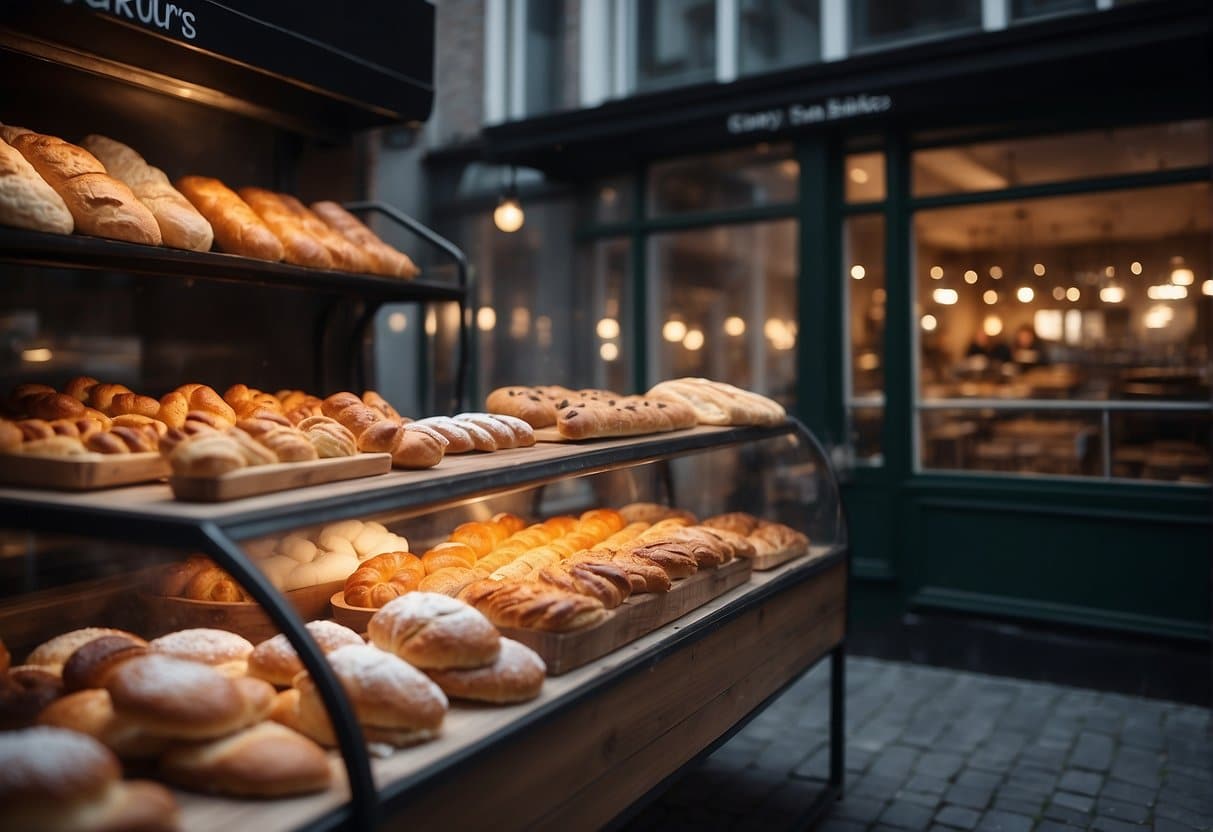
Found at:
(181, 226)
(276, 661)
(346, 255)
(24, 691)
(236, 226)
(225, 651)
(52, 654)
(266, 760)
(94, 661)
(174, 698)
(431, 630)
(515, 676)
(388, 261)
(92, 712)
(449, 580)
(394, 702)
(299, 247)
(53, 779)
(26, 200)
(100, 205)
(533, 606)
(418, 448)
(383, 577)
(8, 132)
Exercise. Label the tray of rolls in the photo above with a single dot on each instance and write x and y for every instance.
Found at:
(574, 588)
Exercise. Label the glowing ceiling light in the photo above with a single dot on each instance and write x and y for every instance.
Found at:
(1039, 270)
(486, 318)
(992, 325)
(609, 352)
(1109, 271)
(1157, 317)
(607, 328)
(1206, 288)
(674, 331)
(508, 215)
(859, 176)
(1112, 294)
(693, 340)
(990, 297)
(970, 277)
(38, 355)
(945, 297)
(929, 323)
(858, 272)
(1167, 291)
(397, 322)
(936, 272)
(1073, 294)
(1135, 267)
(1059, 293)
(996, 272)
(1183, 277)
(1025, 294)
(734, 326)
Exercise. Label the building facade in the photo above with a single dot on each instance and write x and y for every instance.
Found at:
(966, 241)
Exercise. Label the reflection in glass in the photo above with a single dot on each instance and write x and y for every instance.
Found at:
(725, 306)
(1025, 9)
(878, 24)
(991, 166)
(778, 33)
(1169, 446)
(1062, 443)
(864, 273)
(763, 175)
(608, 200)
(864, 177)
(675, 43)
(607, 265)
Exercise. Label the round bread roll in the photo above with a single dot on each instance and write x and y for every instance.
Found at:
(276, 661)
(516, 676)
(226, 652)
(431, 630)
(382, 578)
(91, 665)
(266, 760)
(24, 691)
(395, 703)
(179, 699)
(52, 779)
(92, 712)
(52, 654)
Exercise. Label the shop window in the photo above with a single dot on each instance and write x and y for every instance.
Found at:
(675, 42)
(723, 305)
(1067, 335)
(774, 34)
(608, 201)
(877, 24)
(762, 175)
(864, 273)
(1027, 9)
(864, 177)
(992, 166)
(607, 265)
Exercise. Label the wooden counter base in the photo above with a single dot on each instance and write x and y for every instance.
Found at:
(586, 764)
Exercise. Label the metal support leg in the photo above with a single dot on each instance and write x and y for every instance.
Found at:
(838, 717)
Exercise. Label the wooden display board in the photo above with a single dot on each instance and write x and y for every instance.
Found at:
(281, 476)
(84, 472)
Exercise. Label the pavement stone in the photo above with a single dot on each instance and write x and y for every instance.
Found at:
(998, 821)
(958, 817)
(1082, 782)
(969, 796)
(906, 815)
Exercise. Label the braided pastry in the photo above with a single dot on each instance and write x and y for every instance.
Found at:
(643, 575)
(284, 441)
(373, 400)
(328, 436)
(78, 388)
(676, 558)
(533, 606)
(604, 581)
(206, 455)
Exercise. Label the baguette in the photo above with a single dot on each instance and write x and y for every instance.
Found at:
(26, 200)
(301, 248)
(100, 205)
(346, 254)
(387, 260)
(181, 226)
(236, 226)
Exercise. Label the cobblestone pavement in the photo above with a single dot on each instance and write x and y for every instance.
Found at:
(946, 750)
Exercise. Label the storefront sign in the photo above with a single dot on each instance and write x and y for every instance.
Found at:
(161, 14)
(801, 115)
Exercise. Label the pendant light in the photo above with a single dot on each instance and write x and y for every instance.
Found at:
(508, 215)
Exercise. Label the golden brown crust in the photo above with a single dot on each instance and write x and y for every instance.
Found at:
(533, 606)
(379, 436)
(175, 698)
(53, 653)
(431, 630)
(449, 580)
(373, 400)
(266, 760)
(26, 200)
(276, 661)
(417, 449)
(91, 712)
(384, 577)
(386, 259)
(605, 581)
(738, 522)
(643, 575)
(345, 255)
(94, 661)
(530, 404)
(24, 691)
(299, 247)
(329, 437)
(516, 676)
(11, 436)
(237, 228)
(209, 454)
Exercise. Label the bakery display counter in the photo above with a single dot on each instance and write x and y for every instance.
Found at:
(558, 756)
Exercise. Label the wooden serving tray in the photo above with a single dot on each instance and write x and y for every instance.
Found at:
(637, 616)
(243, 618)
(281, 476)
(771, 561)
(85, 472)
(554, 435)
(356, 618)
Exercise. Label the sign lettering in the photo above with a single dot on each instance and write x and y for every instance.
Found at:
(800, 115)
(160, 14)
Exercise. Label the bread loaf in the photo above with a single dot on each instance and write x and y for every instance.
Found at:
(26, 200)
(346, 255)
(236, 226)
(387, 260)
(52, 654)
(276, 661)
(266, 760)
(175, 698)
(91, 712)
(225, 651)
(515, 676)
(100, 205)
(533, 606)
(431, 630)
(299, 247)
(181, 226)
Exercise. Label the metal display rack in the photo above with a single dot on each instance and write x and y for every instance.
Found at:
(148, 514)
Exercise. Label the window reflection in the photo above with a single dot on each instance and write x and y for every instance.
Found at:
(725, 306)
(607, 265)
(877, 24)
(675, 43)
(778, 33)
(762, 175)
(864, 274)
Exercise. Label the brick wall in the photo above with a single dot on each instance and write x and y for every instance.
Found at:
(458, 72)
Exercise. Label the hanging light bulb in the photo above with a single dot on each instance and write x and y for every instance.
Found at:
(508, 216)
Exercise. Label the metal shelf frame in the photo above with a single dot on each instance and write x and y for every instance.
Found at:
(216, 533)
